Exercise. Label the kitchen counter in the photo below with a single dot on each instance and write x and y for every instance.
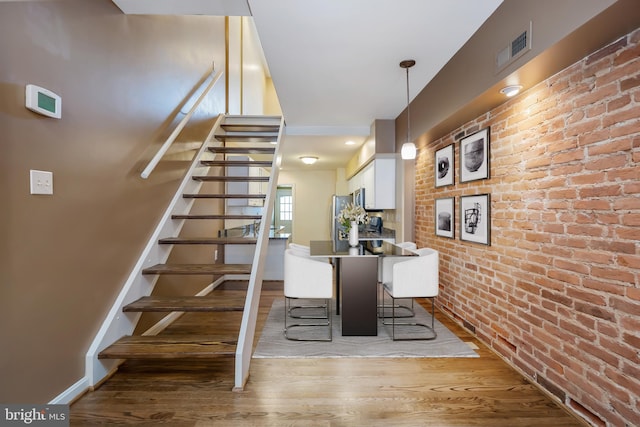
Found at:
(243, 253)
(386, 234)
(249, 231)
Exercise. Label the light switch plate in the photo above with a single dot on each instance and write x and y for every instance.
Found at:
(41, 182)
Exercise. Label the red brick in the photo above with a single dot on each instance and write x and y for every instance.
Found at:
(588, 178)
(617, 103)
(611, 273)
(620, 116)
(630, 83)
(627, 203)
(630, 261)
(571, 156)
(628, 233)
(571, 266)
(594, 137)
(613, 246)
(609, 147)
(609, 162)
(586, 230)
(600, 191)
(588, 297)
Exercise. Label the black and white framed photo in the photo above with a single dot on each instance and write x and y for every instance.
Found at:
(474, 156)
(445, 217)
(475, 218)
(444, 166)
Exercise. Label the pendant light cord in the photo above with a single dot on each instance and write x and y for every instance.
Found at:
(408, 110)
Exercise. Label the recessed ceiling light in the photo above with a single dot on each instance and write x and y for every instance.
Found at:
(511, 90)
(308, 160)
(349, 142)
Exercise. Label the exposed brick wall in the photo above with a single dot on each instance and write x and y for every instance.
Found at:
(558, 291)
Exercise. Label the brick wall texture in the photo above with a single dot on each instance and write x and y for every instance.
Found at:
(557, 292)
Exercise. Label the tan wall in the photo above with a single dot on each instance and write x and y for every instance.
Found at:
(64, 257)
(312, 191)
(558, 291)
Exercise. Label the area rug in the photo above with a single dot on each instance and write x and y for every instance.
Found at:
(273, 344)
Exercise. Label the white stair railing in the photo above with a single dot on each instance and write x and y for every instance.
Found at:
(244, 349)
(170, 140)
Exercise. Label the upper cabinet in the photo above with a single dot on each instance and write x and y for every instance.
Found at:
(374, 167)
(378, 179)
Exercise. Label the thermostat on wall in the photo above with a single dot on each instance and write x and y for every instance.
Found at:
(43, 101)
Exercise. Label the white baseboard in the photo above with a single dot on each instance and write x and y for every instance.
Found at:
(72, 393)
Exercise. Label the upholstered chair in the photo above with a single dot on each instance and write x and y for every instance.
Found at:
(413, 277)
(309, 279)
(385, 268)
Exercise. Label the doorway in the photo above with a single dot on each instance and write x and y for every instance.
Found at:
(283, 208)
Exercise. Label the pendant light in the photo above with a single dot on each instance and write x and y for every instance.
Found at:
(408, 151)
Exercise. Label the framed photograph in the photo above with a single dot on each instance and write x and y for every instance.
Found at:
(474, 156)
(475, 219)
(444, 217)
(444, 166)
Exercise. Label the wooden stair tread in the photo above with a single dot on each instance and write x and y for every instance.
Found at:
(207, 241)
(169, 347)
(230, 178)
(224, 196)
(206, 303)
(247, 137)
(198, 269)
(221, 216)
(231, 163)
(216, 216)
(243, 150)
(250, 127)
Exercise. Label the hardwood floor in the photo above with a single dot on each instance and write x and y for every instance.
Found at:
(317, 392)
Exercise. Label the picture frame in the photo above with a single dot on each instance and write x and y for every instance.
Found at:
(444, 166)
(475, 156)
(475, 219)
(445, 217)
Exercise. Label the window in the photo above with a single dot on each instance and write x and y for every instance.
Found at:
(286, 208)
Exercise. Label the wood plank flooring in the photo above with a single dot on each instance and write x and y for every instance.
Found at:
(316, 392)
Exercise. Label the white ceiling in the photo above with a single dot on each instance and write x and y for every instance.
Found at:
(335, 63)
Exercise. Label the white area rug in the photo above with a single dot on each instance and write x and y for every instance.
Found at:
(273, 344)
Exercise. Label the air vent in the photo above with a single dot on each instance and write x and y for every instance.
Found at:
(519, 44)
(517, 47)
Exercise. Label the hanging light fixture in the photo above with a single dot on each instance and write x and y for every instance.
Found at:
(408, 150)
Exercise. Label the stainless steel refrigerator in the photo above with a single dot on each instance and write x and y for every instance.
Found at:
(337, 204)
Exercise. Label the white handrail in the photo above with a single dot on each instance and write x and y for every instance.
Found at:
(161, 152)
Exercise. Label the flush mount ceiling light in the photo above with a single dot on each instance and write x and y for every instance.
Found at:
(308, 160)
(511, 90)
(408, 150)
(349, 142)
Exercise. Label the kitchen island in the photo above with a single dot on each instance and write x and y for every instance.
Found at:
(356, 281)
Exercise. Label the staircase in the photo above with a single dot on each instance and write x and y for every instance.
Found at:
(236, 154)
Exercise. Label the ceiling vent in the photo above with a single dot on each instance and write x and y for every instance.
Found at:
(517, 47)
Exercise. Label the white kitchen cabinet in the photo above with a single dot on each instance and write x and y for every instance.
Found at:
(257, 187)
(378, 179)
(355, 183)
